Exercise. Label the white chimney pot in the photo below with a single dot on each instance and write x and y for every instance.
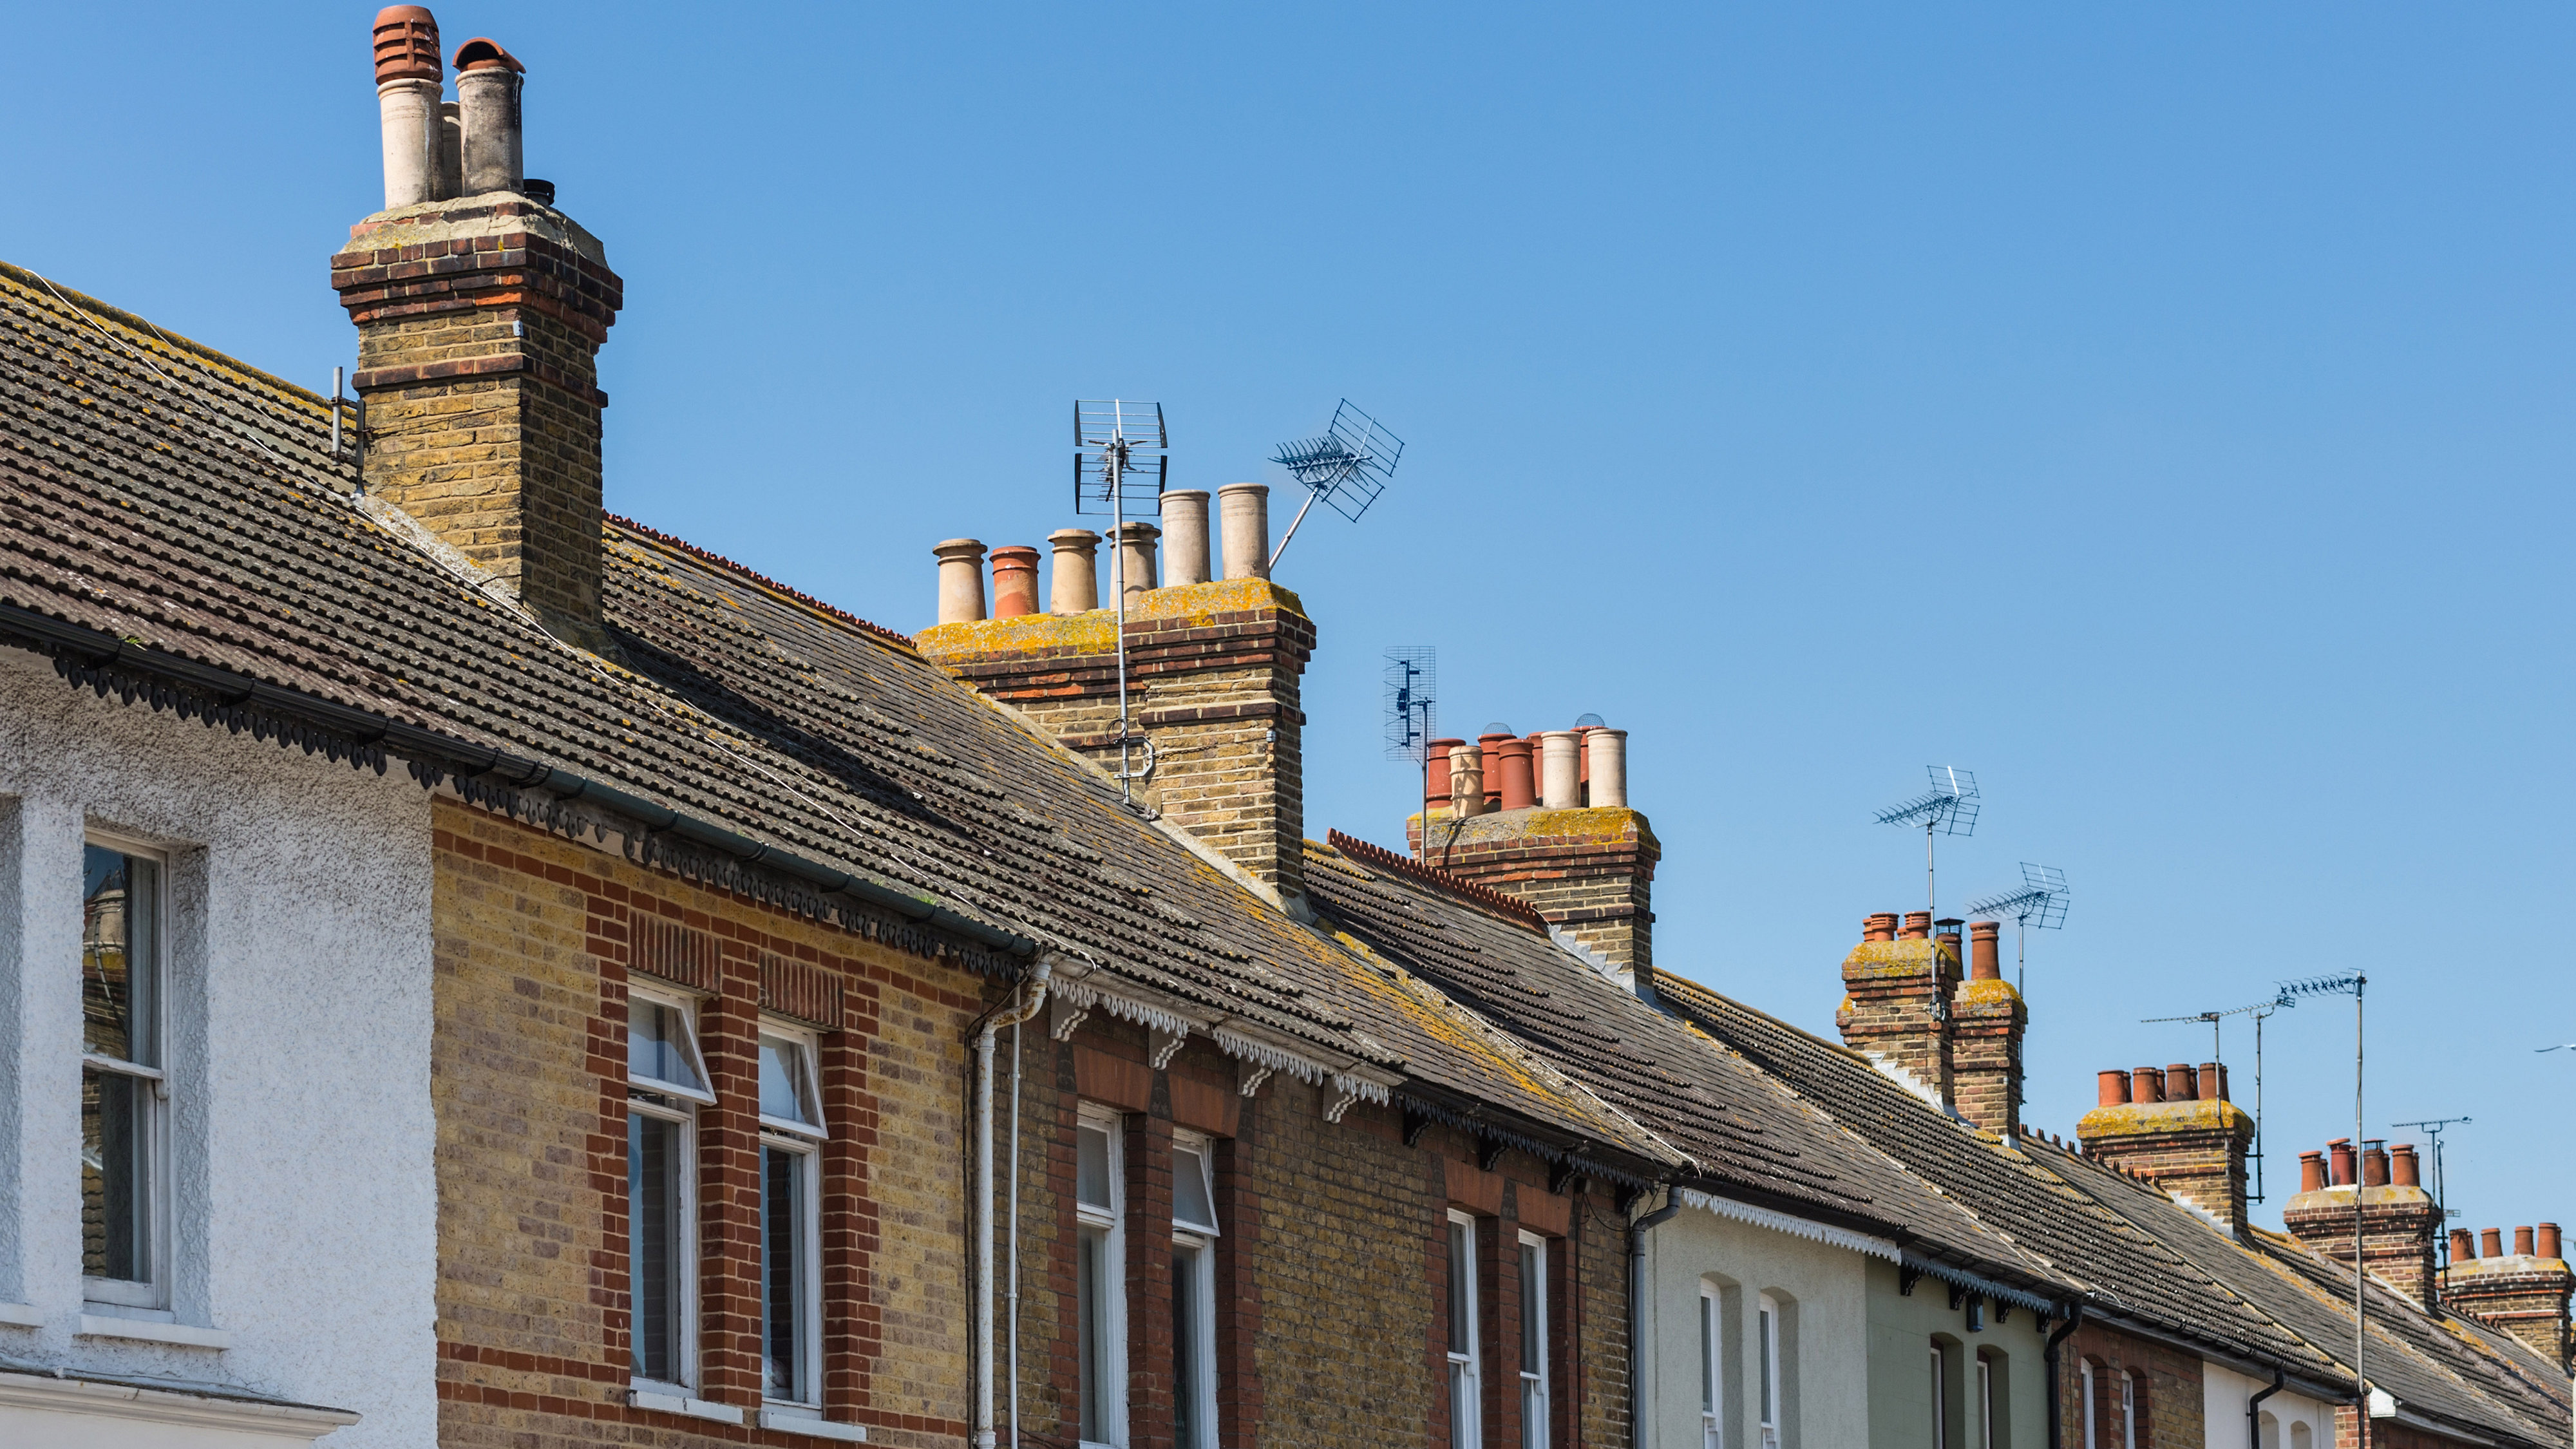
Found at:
(1560, 769)
(1244, 509)
(1076, 587)
(1185, 536)
(1609, 751)
(961, 580)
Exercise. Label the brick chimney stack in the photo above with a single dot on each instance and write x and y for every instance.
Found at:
(480, 318)
(1987, 1023)
(2523, 1292)
(2176, 1128)
(1213, 672)
(1578, 855)
(1897, 997)
(2398, 1217)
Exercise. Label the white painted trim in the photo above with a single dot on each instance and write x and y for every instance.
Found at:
(680, 1404)
(819, 1428)
(22, 1315)
(94, 1326)
(1795, 1227)
(177, 1407)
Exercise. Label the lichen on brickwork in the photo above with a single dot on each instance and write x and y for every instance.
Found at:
(2133, 1118)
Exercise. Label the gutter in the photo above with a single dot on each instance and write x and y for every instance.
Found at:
(94, 649)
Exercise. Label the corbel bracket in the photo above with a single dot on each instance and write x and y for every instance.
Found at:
(1165, 1045)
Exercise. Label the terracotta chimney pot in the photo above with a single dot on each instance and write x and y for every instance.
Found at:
(2182, 1084)
(2403, 1169)
(2549, 1241)
(1136, 555)
(1516, 790)
(408, 87)
(1466, 781)
(1918, 925)
(1185, 536)
(2464, 1249)
(1489, 751)
(1985, 947)
(2490, 1242)
(2340, 1152)
(2522, 1241)
(1880, 926)
(961, 580)
(2213, 1086)
(2146, 1084)
(1015, 581)
(2113, 1088)
(2374, 1164)
(1076, 587)
(407, 44)
(1243, 511)
(2312, 1172)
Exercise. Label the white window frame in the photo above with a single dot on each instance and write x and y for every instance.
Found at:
(667, 1101)
(1766, 1334)
(2092, 1432)
(2128, 1410)
(1110, 1321)
(809, 1063)
(1985, 1392)
(1535, 1426)
(1940, 1397)
(1712, 1367)
(805, 1140)
(151, 1293)
(1466, 1388)
(1199, 1241)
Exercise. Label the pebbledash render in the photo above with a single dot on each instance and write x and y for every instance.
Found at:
(539, 983)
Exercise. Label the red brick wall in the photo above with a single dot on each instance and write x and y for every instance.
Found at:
(2168, 1380)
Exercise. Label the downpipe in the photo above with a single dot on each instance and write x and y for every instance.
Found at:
(2048, 1357)
(1637, 1231)
(2254, 1409)
(985, 1225)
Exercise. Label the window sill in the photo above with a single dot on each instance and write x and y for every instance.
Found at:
(790, 1422)
(94, 1326)
(21, 1315)
(681, 1404)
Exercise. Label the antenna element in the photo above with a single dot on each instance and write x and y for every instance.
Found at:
(1348, 467)
(1410, 713)
(1120, 458)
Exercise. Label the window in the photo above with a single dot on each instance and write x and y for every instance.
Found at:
(791, 1269)
(2301, 1436)
(666, 1081)
(125, 1091)
(1940, 1399)
(2128, 1410)
(1100, 1276)
(1533, 1341)
(1712, 1376)
(1193, 1293)
(1985, 1402)
(1466, 1403)
(1766, 1336)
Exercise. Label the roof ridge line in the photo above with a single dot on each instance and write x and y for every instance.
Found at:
(788, 591)
(1432, 875)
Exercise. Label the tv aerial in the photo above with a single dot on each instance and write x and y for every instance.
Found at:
(1348, 467)
(2434, 1127)
(1950, 808)
(2041, 901)
(1411, 709)
(1120, 461)
(2352, 984)
(2258, 1010)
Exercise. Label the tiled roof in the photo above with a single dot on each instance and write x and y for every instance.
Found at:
(1747, 1135)
(157, 493)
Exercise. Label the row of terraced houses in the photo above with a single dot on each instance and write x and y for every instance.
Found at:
(477, 971)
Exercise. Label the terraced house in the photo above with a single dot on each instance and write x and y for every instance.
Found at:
(475, 970)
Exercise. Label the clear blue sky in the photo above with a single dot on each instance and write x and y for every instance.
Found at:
(2161, 411)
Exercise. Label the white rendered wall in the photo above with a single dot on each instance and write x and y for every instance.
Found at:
(2224, 1394)
(299, 1033)
(1821, 1290)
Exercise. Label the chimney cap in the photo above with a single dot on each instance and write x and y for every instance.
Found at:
(1498, 728)
(406, 42)
(1589, 720)
(482, 53)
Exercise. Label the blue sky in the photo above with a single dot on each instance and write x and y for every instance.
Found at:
(2158, 411)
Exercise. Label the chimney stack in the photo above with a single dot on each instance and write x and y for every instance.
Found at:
(2399, 1221)
(480, 319)
(2524, 1292)
(1896, 1004)
(2177, 1129)
(1986, 1031)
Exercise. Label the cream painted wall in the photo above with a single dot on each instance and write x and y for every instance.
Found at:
(2223, 1395)
(1902, 1329)
(1824, 1359)
(299, 1029)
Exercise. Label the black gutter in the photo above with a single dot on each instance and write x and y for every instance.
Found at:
(2048, 1357)
(365, 731)
(2254, 1409)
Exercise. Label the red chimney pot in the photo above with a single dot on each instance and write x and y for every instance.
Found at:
(2549, 1241)
(1985, 949)
(407, 44)
(2374, 1164)
(2113, 1086)
(2213, 1086)
(2464, 1249)
(482, 53)
(2312, 1172)
(1015, 581)
(1918, 925)
(1878, 927)
(2522, 1241)
(2403, 1169)
(1518, 792)
(2146, 1084)
(2182, 1084)
(2340, 1152)
(2490, 1242)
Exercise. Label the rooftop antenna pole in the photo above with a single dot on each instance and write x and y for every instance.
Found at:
(2336, 985)
(2433, 1128)
(2258, 1010)
(1348, 467)
(1412, 684)
(2042, 898)
(1950, 809)
(1116, 444)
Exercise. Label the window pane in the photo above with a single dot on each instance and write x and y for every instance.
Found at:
(1462, 1407)
(782, 1279)
(1768, 1348)
(1533, 1309)
(115, 1152)
(657, 1044)
(1533, 1415)
(1192, 1206)
(1091, 1167)
(118, 911)
(1462, 1306)
(1707, 1355)
(654, 1156)
(787, 1082)
(1091, 1271)
(1185, 1349)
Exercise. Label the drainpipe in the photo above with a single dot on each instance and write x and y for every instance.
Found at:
(2254, 1410)
(983, 1356)
(1637, 1314)
(2048, 1356)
